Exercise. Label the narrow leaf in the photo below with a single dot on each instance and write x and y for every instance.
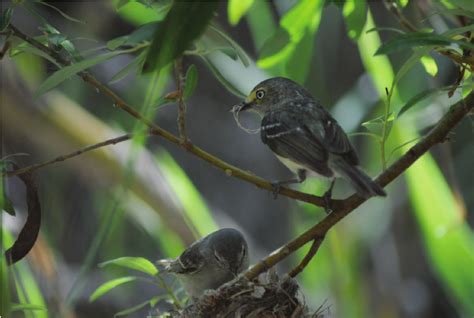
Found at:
(184, 23)
(136, 307)
(215, 71)
(430, 65)
(60, 76)
(24, 307)
(137, 263)
(237, 48)
(419, 97)
(7, 205)
(191, 81)
(6, 18)
(66, 16)
(108, 286)
(127, 69)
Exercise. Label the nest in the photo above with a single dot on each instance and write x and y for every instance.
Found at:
(269, 296)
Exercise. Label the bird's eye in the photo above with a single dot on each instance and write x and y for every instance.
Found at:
(260, 94)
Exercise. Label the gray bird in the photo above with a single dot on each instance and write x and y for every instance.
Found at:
(305, 137)
(210, 262)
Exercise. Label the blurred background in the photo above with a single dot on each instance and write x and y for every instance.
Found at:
(408, 255)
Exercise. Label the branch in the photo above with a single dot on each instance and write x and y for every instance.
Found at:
(229, 169)
(37, 166)
(436, 135)
(312, 251)
(181, 105)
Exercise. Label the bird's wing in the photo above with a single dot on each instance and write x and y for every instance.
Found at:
(288, 136)
(329, 133)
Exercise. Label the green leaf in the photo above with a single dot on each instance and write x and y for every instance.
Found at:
(6, 18)
(137, 263)
(416, 39)
(237, 48)
(261, 23)
(184, 23)
(127, 69)
(66, 16)
(7, 205)
(375, 125)
(28, 48)
(419, 97)
(298, 64)
(275, 49)
(215, 71)
(430, 65)
(108, 286)
(191, 81)
(141, 34)
(61, 75)
(355, 15)
(236, 9)
(137, 13)
(137, 307)
(24, 307)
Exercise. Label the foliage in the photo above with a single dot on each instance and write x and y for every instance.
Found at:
(284, 42)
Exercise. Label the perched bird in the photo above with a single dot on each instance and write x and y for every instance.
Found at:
(305, 137)
(210, 262)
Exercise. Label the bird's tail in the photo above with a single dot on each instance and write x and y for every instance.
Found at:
(362, 183)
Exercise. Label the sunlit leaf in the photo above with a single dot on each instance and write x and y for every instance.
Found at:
(417, 39)
(430, 65)
(273, 49)
(261, 23)
(191, 81)
(194, 205)
(297, 66)
(137, 263)
(108, 286)
(24, 307)
(137, 13)
(355, 14)
(447, 237)
(236, 9)
(423, 95)
(183, 24)
(228, 85)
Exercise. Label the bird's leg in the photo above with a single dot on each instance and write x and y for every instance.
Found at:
(276, 185)
(327, 197)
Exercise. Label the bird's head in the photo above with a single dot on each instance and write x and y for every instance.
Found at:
(271, 93)
(230, 250)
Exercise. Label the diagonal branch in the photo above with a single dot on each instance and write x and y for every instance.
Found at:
(436, 135)
(229, 169)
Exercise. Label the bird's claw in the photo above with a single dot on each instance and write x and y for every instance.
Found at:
(327, 201)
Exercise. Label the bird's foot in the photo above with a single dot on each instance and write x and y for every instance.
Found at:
(327, 201)
(276, 187)
(327, 198)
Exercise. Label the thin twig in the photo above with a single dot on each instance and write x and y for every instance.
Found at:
(393, 8)
(229, 169)
(37, 166)
(308, 257)
(180, 83)
(436, 135)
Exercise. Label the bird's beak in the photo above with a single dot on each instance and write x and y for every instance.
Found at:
(245, 105)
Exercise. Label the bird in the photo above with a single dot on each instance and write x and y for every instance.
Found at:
(209, 262)
(305, 137)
